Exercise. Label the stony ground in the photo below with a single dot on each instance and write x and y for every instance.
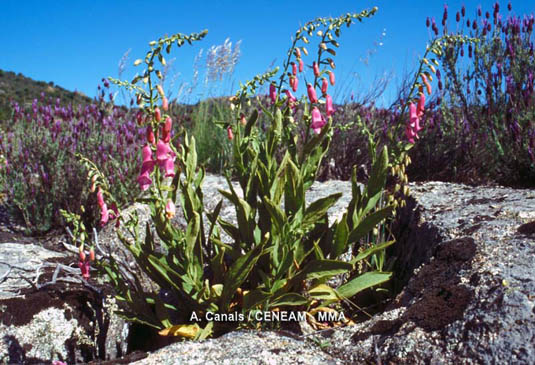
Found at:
(466, 275)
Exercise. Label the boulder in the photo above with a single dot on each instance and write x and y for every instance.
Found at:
(465, 265)
(465, 284)
(47, 312)
(472, 299)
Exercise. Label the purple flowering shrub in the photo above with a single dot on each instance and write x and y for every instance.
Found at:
(485, 127)
(42, 173)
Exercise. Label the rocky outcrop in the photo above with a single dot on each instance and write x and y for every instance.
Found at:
(465, 276)
(47, 312)
(472, 300)
(466, 259)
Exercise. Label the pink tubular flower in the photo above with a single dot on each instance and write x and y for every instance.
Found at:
(100, 198)
(230, 135)
(84, 268)
(162, 151)
(331, 78)
(324, 85)
(157, 114)
(410, 134)
(170, 209)
(291, 99)
(301, 65)
(146, 152)
(317, 120)
(415, 113)
(104, 215)
(169, 167)
(421, 106)
(312, 94)
(273, 92)
(294, 68)
(166, 130)
(144, 179)
(329, 109)
(316, 69)
(165, 158)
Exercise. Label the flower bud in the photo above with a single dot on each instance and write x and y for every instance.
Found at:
(331, 78)
(160, 90)
(301, 65)
(324, 85)
(166, 130)
(170, 209)
(165, 104)
(139, 99)
(157, 114)
(312, 94)
(273, 92)
(150, 135)
(329, 110)
(294, 68)
(295, 84)
(316, 69)
(243, 121)
(81, 253)
(91, 254)
(297, 53)
(230, 135)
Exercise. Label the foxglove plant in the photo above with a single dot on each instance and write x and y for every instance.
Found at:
(282, 251)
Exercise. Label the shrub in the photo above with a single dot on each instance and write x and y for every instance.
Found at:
(43, 175)
(485, 124)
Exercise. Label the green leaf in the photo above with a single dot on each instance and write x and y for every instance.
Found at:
(254, 298)
(250, 123)
(319, 208)
(277, 215)
(289, 299)
(362, 282)
(368, 223)
(323, 292)
(238, 273)
(371, 250)
(341, 234)
(377, 180)
(320, 269)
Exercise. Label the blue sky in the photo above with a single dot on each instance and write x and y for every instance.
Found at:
(76, 43)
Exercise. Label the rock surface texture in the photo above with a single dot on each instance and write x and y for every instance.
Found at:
(466, 259)
(465, 274)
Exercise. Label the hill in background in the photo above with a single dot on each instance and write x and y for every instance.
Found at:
(23, 90)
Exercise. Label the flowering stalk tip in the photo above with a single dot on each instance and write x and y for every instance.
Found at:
(312, 94)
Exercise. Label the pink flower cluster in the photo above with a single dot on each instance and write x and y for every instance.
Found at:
(318, 120)
(85, 261)
(165, 157)
(415, 114)
(105, 214)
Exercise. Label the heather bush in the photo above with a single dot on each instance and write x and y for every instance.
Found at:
(42, 173)
(484, 128)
